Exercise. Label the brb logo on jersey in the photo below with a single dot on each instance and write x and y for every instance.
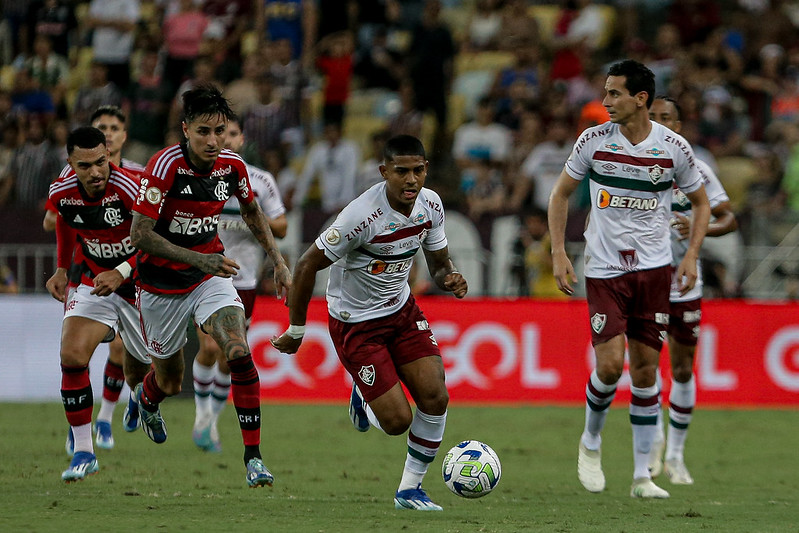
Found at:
(113, 216)
(110, 250)
(187, 224)
(605, 199)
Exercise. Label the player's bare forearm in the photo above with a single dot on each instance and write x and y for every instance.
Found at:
(144, 238)
(254, 217)
(701, 218)
(724, 220)
(445, 275)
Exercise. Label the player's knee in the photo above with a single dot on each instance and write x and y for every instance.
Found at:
(608, 373)
(682, 372)
(396, 423)
(73, 356)
(171, 387)
(434, 402)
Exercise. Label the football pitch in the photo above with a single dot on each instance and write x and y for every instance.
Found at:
(330, 478)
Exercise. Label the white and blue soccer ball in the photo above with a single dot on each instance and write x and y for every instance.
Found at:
(471, 469)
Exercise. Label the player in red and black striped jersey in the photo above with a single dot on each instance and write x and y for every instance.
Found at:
(94, 201)
(183, 273)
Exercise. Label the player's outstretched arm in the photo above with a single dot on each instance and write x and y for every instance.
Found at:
(144, 237)
(444, 274)
(311, 262)
(557, 214)
(254, 217)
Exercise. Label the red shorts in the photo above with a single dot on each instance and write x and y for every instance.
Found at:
(248, 299)
(684, 320)
(636, 303)
(372, 350)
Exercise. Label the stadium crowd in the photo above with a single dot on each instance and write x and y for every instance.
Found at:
(498, 88)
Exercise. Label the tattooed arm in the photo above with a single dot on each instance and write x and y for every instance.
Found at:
(144, 237)
(254, 217)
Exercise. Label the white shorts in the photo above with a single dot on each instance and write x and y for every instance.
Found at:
(113, 311)
(165, 317)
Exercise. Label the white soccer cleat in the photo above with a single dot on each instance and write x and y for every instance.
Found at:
(646, 488)
(656, 458)
(677, 472)
(589, 469)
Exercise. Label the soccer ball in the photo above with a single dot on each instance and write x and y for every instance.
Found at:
(471, 469)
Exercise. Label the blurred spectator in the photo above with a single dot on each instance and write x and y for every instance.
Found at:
(33, 166)
(98, 92)
(368, 172)
(430, 59)
(518, 26)
(29, 99)
(335, 61)
(765, 199)
(695, 19)
(480, 141)
(373, 15)
(114, 24)
(276, 163)
(147, 106)
(335, 16)
(50, 18)
(295, 20)
(543, 166)
(327, 179)
(762, 82)
(203, 73)
(9, 139)
(264, 125)
(577, 33)
(230, 18)
(183, 33)
(50, 71)
(531, 263)
(723, 127)
(8, 282)
(57, 134)
(379, 66)
(485, 200)
(408, 120)
(519, 83)
(484, 26)
(243, 92)
(294, 89)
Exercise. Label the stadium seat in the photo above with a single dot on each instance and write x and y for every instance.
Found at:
(7, 75)
(503, 234)
(493, 61)
(736, 174)
(360, 129)
(473, 85)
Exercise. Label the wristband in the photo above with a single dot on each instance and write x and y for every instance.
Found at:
(124, 269)
(295, 332)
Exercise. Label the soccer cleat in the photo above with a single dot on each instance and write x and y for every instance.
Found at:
(83, 464)
(645, 488)
(357, 412)
(152, 423)
(69, 445)
(202, 437)
(216, 444)
(257, 474)
(589, 469)
(677, 472)
(656, 458)
(130, 418)
(415, 499)
(102, 435)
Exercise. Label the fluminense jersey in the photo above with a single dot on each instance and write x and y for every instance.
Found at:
(240, 244)
(372, 247)
(681, 204)
(102, 224)
(186, 203)
(630, 186)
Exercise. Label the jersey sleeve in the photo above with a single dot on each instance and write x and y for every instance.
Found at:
(716, 194)
(154, 185)
(436, 238)
(268, 195)
(687, 175)
(339, 239)
(243, 190)
(579, 162)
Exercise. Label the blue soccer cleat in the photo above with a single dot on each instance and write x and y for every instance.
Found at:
(415, 499)
(69, 445)
(83, 464)
(257, 474)
(357, 411)
(201, 435)
(152, 423)
(102, 435)
(130, 418)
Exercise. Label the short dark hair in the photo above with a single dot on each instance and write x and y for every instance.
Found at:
(84, 137)
(638, 78)
(403, 145)
(205, 101)
(110, 110)
(673, 102)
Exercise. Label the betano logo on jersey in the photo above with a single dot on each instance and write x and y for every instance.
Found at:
(193, 225)
(110, 250)
(605, 199)
(378, 266)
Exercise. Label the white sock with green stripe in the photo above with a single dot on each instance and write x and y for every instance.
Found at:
(203, 384)
(643, 418)
(219, 392)
(682, 400)
(598, 397)
(424, 439)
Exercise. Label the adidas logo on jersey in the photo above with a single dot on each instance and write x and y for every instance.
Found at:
(186, 190)
(77, 220)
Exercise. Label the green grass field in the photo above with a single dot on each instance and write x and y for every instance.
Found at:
(330, 478)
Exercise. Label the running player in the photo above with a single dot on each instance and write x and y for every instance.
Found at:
(210, 370)
(381, 336)
(632, 164)
(685, 311)
(94, 202)
(183, 274)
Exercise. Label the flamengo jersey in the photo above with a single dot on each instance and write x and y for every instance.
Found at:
(240, 244)
(102, 224)
(372, 247)
(186, 203)
(716, 195)
(630, 187)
